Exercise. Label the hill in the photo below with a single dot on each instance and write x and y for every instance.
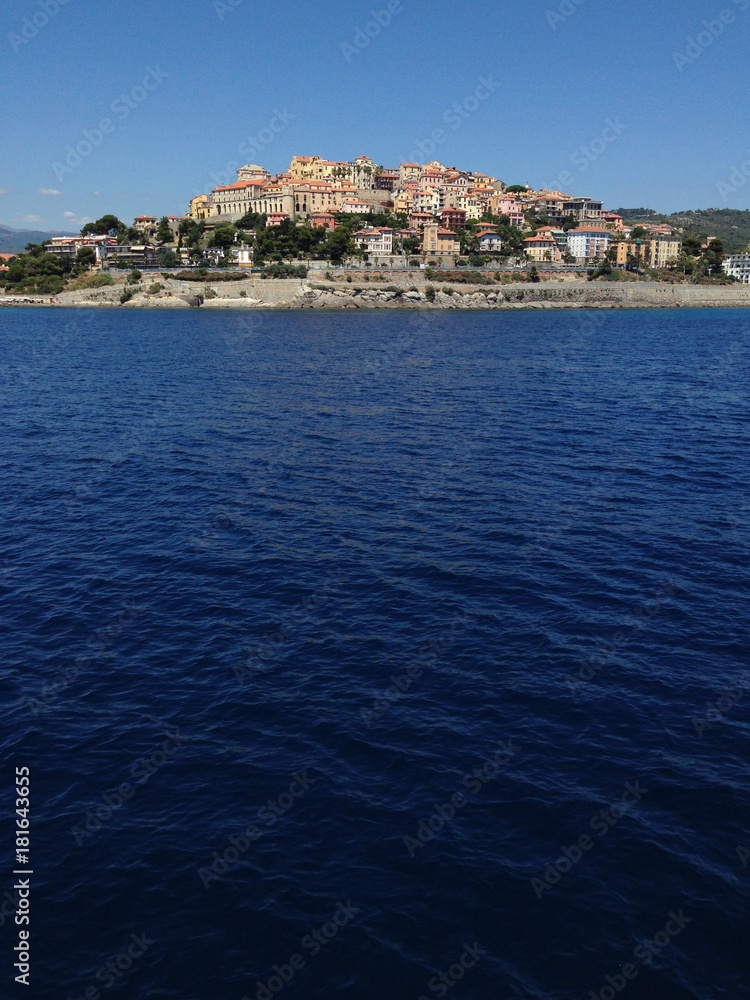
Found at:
(14, 240)
(730, 225)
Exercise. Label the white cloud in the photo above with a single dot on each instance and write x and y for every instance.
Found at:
(30, 218)
(72, 217)
(49, 191)
(97, 192)
(4, 190)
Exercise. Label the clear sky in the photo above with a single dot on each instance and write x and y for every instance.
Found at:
(606, 98)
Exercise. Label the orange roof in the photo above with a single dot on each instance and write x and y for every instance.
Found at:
(237, 186)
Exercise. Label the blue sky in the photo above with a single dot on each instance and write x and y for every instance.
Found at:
(601, 98)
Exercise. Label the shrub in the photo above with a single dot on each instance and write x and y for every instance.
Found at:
(126, 296)
(49, 284)
(349, 278)
(134, 277)
(155, 288)
(285, 271)
(209, 293)
(414, 262)
(243, 294)
(398, 292)
(91, 281)
(203, 275)
(430, 293)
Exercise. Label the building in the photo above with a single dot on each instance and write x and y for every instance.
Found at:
(583, 209)
(200, 208)
(418, 219)
(232, 201)
(656, 252)
(469, 204)
(374, 240)
(68, 246)
(426, 200)
(408, 172)
(403, 201)
(322, 220)
(276, 218)
(439, 242)
(586, 243)
(146, 224)
(558, 235)
(737, 265)
(614, 220)
(252, 172)
(543, 248)
(505, 204)
(362, 173)
(489, 241)
(131, 256)
(386, 180)
(453, 218)
(354, 207)
(242, 256)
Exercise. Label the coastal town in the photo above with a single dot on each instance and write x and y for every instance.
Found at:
(327, 214)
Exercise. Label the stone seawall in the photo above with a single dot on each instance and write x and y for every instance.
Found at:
(308, 294)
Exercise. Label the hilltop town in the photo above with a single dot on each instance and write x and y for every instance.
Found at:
(334, 214)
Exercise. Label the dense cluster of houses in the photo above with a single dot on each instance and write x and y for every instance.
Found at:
(438, 201)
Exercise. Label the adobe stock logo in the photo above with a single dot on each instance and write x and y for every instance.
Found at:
(31, 26)
(737, 180)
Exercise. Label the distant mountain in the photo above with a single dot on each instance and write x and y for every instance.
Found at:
(730, 225)
(14, 240)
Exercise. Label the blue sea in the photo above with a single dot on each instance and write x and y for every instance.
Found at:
(377, 655)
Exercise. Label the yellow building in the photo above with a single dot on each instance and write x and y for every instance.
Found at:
(653, 253)
(439, 242)
(403, 201)
(200, 208)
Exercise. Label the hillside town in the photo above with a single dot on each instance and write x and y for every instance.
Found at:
(329, 213)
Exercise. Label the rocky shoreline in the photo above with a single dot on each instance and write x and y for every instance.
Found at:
(306, 294)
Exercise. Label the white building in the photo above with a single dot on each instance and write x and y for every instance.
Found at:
(375, 240)
(351, 207)
(588, 242)
(737, 265)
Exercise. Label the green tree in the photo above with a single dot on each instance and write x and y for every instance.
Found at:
(164, 232)
(106, 226)
(86, 257)
(223, 237)
(692, 245)
(339, 244)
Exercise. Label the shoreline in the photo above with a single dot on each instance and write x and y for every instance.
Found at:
(291, 294)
